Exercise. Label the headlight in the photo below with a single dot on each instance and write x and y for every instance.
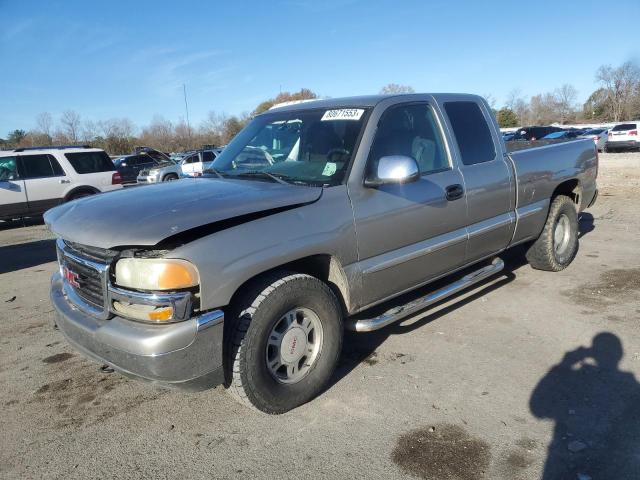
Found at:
(153, 172)
(156, 274)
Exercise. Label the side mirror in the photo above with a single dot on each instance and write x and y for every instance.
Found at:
(393, 169)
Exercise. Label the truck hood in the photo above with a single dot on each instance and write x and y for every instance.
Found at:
(145, 216)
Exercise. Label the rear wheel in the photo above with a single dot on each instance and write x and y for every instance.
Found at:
(78, 195)
(557, 245)
(284, 343)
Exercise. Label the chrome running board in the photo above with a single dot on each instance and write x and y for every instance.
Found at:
(398, 313)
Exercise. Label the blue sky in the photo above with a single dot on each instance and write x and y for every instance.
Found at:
(130, 59)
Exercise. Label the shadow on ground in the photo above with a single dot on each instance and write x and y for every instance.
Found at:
(596, 414)
(26, 255)
(24, 222)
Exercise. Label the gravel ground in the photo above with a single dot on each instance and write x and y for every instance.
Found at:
(530, 372)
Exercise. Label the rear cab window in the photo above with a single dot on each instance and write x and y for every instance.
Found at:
(90, 162)
(624, 127)
(471, 131)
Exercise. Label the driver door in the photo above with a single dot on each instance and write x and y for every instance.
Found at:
(410, 233)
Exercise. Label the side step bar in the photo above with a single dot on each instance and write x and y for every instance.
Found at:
(398, 313)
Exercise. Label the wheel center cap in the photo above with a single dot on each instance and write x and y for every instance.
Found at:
(293, 346)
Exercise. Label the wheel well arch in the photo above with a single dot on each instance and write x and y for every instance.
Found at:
(324, 267)
(170, 174)
(82, 189)
(571, 188)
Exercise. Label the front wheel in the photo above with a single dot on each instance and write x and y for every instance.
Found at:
(284, 342)
(557, 245)
(170, 177)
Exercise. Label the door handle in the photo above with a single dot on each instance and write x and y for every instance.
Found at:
(64, 180)
(454, 192)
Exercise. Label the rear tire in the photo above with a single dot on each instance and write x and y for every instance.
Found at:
(79, 195)
(284, 342)
(557, 245)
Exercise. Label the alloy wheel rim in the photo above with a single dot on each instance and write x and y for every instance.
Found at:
(294, 345)
(561, 235)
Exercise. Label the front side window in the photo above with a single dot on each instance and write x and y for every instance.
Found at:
(471, 131)
(412, 131)
(40, 166)
(208, 157)
(90, 162)
(312, 147)
(8, 169)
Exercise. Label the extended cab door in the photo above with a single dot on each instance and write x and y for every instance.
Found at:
(45, 181)
(13, 198)
(409, 233)
(488, 178)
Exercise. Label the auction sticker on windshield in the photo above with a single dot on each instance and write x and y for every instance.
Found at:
(343, 114)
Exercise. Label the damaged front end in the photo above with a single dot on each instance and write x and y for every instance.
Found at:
(139, 313)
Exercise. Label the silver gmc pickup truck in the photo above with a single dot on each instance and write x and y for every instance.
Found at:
(312, 215)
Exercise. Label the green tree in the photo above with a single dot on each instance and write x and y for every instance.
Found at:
(15, 137)
(507, 118)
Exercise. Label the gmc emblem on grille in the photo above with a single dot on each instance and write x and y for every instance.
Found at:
(71, 277)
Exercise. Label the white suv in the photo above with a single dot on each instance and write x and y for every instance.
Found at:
(623, 136)
(33, 180)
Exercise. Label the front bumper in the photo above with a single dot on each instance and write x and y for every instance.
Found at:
(609, 145)
(148, 178)
(186, 355)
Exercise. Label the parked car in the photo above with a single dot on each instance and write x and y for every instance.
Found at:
(598, 135)
(248, 278)
(194, 164)
(130, 165)
(534, 133)
(565, 134)
(623, 137)
(32, 180)
(163, 172)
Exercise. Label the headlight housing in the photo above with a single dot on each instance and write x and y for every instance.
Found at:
(153, 172)
(156, 274)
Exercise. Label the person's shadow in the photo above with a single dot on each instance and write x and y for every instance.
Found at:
(596, 410)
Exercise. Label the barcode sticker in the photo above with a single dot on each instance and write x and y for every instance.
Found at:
(343, 114)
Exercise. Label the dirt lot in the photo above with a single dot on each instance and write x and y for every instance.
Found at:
(528, 372)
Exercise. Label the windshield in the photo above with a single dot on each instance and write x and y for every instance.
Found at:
(312, 147)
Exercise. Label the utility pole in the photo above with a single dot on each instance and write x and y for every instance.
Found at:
(186, 108)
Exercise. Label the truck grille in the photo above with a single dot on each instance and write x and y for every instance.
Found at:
(143, 173)
(85, 270)
(88, 283)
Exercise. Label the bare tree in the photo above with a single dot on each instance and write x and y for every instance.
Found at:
(44, 123)
(392, 88)
(491, 100)
(621, 85)
(516, 103)
(565, 102)
(70, 121)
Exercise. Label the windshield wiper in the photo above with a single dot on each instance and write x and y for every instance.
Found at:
(260, 173)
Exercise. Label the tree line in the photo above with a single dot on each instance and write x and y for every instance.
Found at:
(617, 98)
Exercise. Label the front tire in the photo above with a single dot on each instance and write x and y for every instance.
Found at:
(557, 245)
(170, 177)
(284, 342)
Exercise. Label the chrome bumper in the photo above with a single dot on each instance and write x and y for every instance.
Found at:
(185, 354)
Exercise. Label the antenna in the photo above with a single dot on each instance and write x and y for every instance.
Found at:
(186, 108)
